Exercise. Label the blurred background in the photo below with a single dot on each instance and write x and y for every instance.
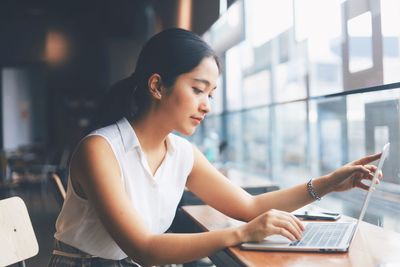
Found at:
(306, 86)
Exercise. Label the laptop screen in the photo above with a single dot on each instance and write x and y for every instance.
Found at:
(385, 153)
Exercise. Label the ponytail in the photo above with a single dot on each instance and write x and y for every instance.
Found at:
(118, 102)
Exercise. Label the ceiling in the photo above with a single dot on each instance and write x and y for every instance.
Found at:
(119, 18)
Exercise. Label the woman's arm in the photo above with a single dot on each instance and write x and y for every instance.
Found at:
(344, 178)
(216, 190)
(95, 170)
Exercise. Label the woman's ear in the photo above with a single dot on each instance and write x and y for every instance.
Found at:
(155, 86)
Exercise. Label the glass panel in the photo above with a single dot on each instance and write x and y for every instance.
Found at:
(346, 128)
(360, 42)
(323, 43)
(373, 119)
(292, 142)
(256, 156)
(235, 140)
(289, 144)
(390, 16)
(332, 134)
(274, 16)
(256, 89)
(233, 78)
(290, 81)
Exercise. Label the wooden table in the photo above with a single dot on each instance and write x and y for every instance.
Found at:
(372, 246)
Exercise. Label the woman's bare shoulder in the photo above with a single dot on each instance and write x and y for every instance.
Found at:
(91, 146)
(93, 154)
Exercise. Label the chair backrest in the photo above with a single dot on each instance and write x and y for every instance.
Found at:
(18, 240)
(60, 189)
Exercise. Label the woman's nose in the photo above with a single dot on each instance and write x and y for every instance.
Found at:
(205, 105)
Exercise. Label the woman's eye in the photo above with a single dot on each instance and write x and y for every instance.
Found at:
(197, 91)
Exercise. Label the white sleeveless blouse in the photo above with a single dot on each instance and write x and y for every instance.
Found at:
(154, 197)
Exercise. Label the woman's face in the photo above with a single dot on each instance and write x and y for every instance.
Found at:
(189, 101)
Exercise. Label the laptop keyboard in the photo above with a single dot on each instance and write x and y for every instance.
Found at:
(322, 235)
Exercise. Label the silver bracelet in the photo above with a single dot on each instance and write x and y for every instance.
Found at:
(311, 191)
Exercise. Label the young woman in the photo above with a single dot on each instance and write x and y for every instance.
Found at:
(127, 178)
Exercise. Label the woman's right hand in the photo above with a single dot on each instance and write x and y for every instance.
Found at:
(270, 223)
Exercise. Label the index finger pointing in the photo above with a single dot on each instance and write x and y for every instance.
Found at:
(368, 159)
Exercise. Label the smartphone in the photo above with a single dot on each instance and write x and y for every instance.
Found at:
(313, 215)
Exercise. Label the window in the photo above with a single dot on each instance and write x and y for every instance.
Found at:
(323, 43)
(289, 142)
(256, 135)
(313, 85)
(390, 16)
(360, 42)
(256, 89)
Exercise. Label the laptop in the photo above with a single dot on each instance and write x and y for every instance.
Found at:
(321, 236)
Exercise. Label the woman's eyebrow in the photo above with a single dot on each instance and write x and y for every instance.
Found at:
(207, 83)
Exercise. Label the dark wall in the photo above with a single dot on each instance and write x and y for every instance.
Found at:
(104, 38)
(73, 86)
(22, 34)
(204, 14)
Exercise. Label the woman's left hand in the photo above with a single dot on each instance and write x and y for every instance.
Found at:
(352, 174)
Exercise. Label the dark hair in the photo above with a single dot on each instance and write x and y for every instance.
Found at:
(169, 53)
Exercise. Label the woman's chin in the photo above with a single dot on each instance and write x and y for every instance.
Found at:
(187, 132)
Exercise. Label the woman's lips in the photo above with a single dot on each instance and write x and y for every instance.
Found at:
(197, 119)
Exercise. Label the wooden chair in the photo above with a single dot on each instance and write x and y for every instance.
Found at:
(60, 193)
(18, 240)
